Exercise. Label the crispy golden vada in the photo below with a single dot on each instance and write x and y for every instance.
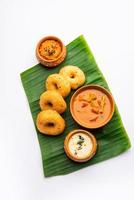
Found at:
(58, 83)
(50, 122)
(74, 75)
(53, 100)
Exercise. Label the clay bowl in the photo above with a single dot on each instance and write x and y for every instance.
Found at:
(89, 155)
(52, 62)
(102, 122)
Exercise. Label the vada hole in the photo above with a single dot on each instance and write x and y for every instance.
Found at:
(50, 124)
(55, 86)
(72, 76)
(49, 104)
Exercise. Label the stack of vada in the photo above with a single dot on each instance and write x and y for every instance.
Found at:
(52, 103)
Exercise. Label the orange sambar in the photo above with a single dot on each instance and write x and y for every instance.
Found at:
(92, 106)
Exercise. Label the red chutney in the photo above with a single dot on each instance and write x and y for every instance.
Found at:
(92, 107)
(50, 49)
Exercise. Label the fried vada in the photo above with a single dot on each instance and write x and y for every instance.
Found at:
(58, 83)
(53, 100)
(74, 75)
(50, 122)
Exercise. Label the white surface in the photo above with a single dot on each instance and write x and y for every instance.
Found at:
(108, 26)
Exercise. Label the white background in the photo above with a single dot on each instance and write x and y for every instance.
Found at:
(108, 26)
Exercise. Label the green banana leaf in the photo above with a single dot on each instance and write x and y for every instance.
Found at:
(112, 139)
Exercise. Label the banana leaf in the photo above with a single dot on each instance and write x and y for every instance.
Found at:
(112, 138)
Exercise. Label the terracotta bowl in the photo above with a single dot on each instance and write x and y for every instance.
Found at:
(105, 92)
(70, 155)
(51, 62)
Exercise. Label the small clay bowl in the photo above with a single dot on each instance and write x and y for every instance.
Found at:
(52, 62)
(103, 120)
(89, 154)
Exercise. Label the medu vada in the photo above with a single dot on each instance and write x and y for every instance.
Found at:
(53, 100)
(58, 83)
(74, 75)
(50, 122)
